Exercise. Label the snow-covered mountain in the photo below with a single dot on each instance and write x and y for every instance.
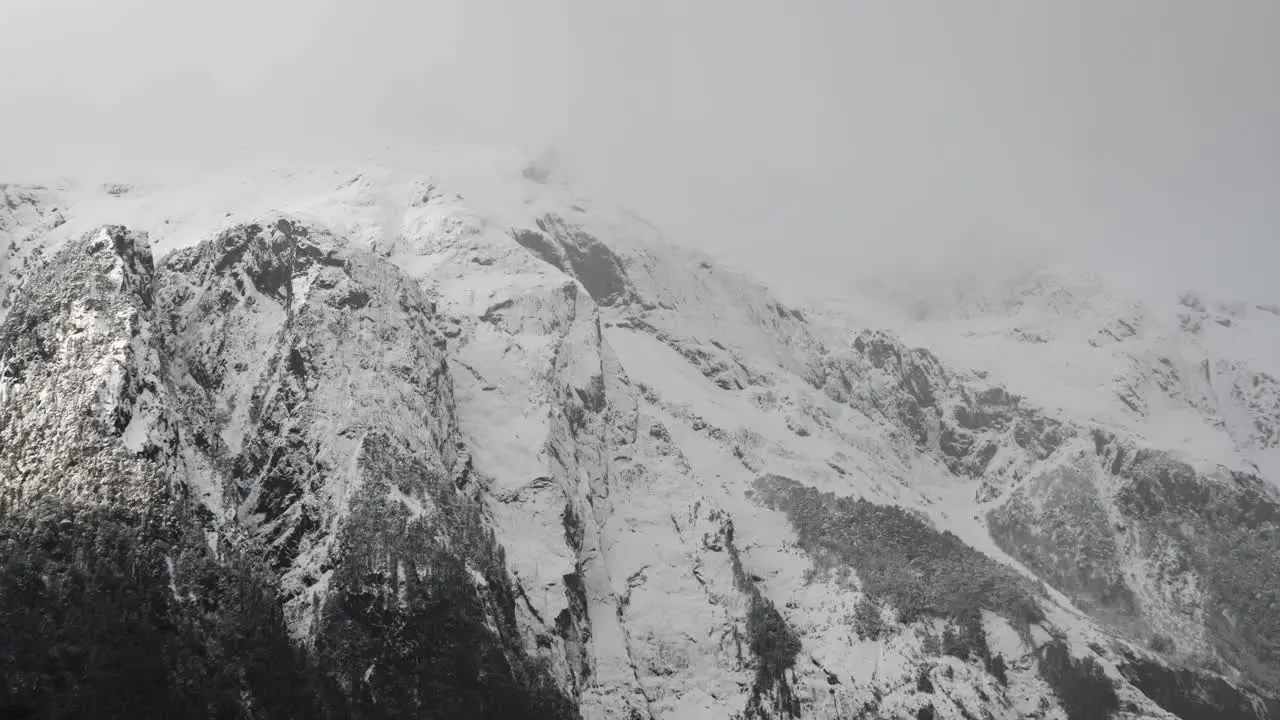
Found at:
(390, 444)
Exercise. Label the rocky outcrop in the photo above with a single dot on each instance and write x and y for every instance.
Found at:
(80, 381)
(569, 249)
(1170, 556)
(976, 428)
(27, 213)
(215, 413)
(113, 604)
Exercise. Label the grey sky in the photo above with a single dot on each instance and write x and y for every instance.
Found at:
(811, 141)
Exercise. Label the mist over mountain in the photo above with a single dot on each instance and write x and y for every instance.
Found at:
(639, 361)
(814, 147)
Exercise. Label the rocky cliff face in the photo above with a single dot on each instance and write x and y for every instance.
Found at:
(383, 452)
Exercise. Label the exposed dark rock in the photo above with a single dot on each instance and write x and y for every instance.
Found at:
(573, 624)
(568, 248)
(923, 683)
(1080, 683)
(541, 246)
(914, 391)
(1195, 695)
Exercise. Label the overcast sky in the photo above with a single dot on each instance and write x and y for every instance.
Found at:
(810, 140)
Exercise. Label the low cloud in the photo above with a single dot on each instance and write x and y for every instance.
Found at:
(815, 144)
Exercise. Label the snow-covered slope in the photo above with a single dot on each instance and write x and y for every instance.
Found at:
(486, 436)
(1186, 373)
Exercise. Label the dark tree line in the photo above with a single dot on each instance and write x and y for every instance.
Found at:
(111, 613)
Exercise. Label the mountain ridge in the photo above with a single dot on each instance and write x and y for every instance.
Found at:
(595, 417)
